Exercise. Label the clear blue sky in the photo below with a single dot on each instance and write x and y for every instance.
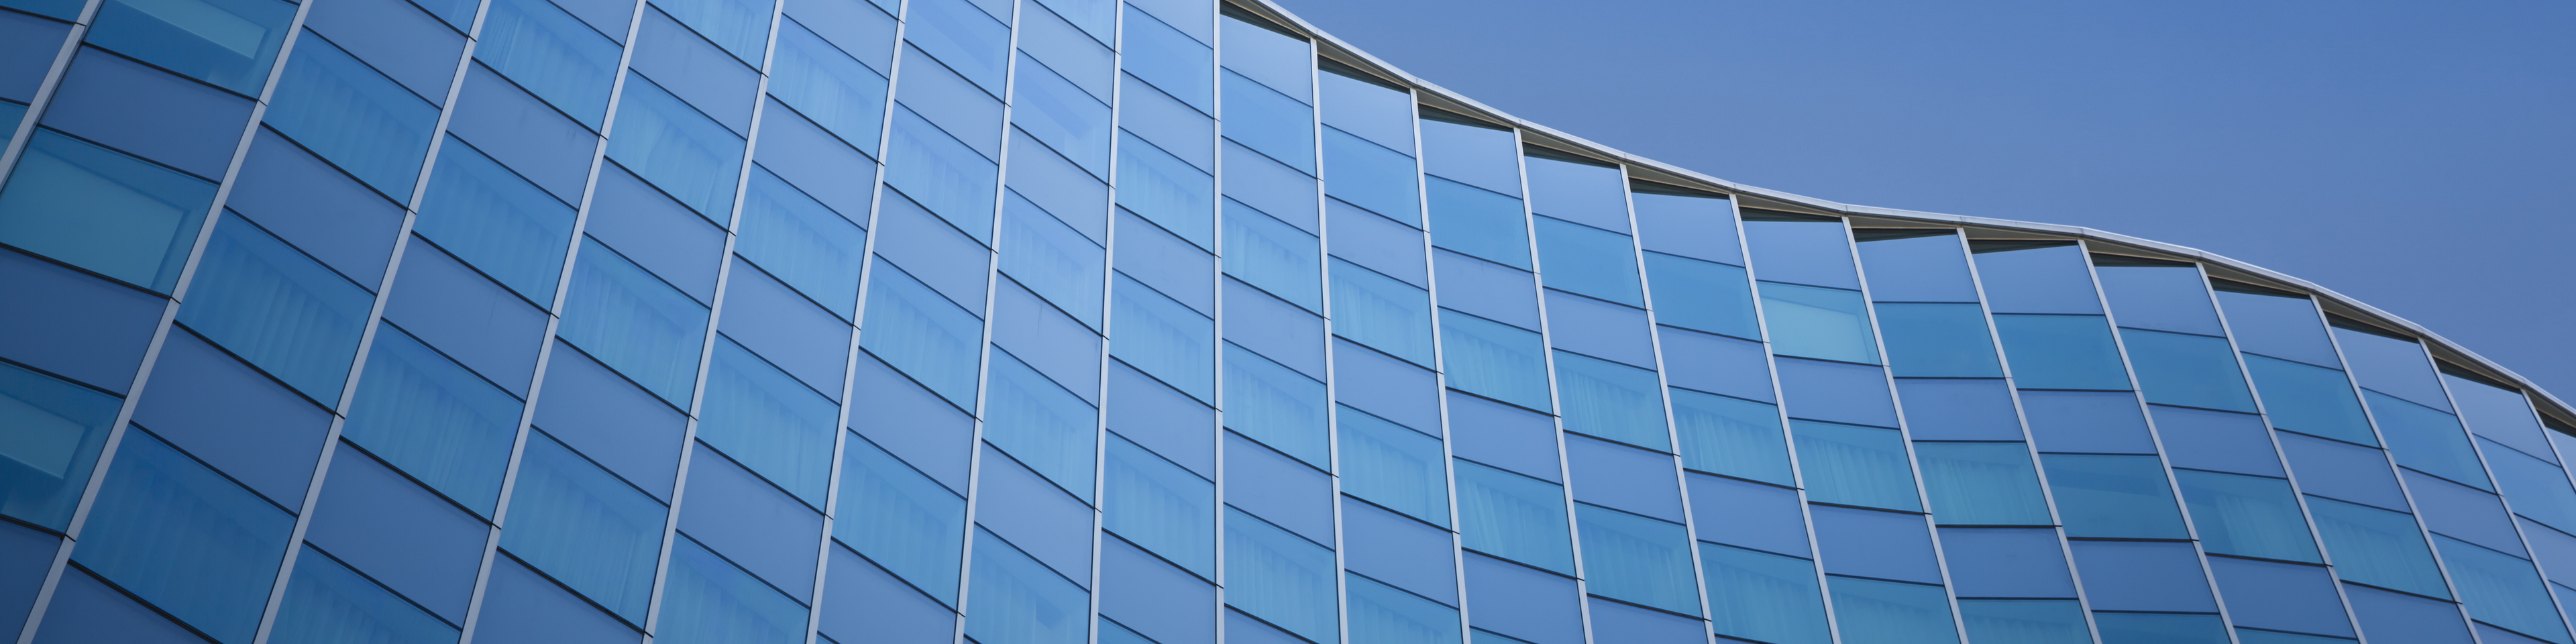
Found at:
(2418, 156)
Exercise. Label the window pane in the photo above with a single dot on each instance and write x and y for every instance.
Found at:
(161, 512)
(584, 527)
(2025, 621)
(805, 244)
(917, 330)
(1612, 400)
(768, 421)
(2061, 352)
(1915, 265)
(901, 519)
(828, 86)
(56, 431)
(1370, 176)
(1494, 360)
(2501, 589)
(1280, 577)
(1637, 559)
(1512, 516)
(1171, 60)
(2275, 323)
(1888, 612)
(433, 419)
(277, 309)
(1019, 601)
(1270, 122)
(677, 148)
(1478, 222)
(1982, 484)
(740, 26)
(552, 54)
(2538, 489)
(98, 209)
(490, 217)
(1382, 312)
(1060, 114)
(2034, 276)
(230, 43)
(1731, 436)
(1276, 257)
(1590, 261)
(1938, 341)
(1706, 296)
(358, 119)
(2376, 547)
(1160, 506)
(1165, 189)
(2153, 294)
(1042, 424)
(1277, 406)
(1800, 249)
(1163, 338)
(1052, 259)
(2187, 370)
(1822, 323)
(2246, 515)
(327, 602)
(634, 322)
(2311, 400)
(1393, 466)
(2113, 496)
(1686, 223)
(1382, 614)
(1855, 465)
(1763, 597)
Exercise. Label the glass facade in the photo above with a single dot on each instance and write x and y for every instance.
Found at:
(1155, 321)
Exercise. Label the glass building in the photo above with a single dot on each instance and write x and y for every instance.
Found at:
(1163, 321)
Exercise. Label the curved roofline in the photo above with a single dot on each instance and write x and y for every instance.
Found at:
(2440, 346)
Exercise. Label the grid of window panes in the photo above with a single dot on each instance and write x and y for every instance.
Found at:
(1073, 321)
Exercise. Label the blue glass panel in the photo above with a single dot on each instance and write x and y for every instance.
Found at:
(1372, 108)
(1487, 289)
(1383, 614)
(401, 535)
(613, 421)
(2274, 595)
(230, 43)
(633, 322)
(2501, 589)
(706, 599)
(1612, 401)
(1052, 259)
(1280, 577)
(1277, 406)
(522, 607)
(2152, 628)
(488, 216)
(433, 419)
(2006, 562)
(1042, 424)
(2310, 399)
(899, 517)
(1800, 249)
(1600, 329)
(1054, 40)
(1822, 323)
(1763, 597)
(1580, 189)
(277, 309)
(1261, 51)
(956, 106)
(1836, 391)
(1490, 359)
(2463, 512)
(1761, 517)
(1471, 151)
(1393, 466)
(1687, 223)
(1478, 222)
(1270, 186)
(1138, 588)
(1623, 478)
(585, 528)
(2276, 323)
(475, 321)
(2497, 413)
(1171, 60)
(916, 330)
(1019, 601)
(804, 244)
(1854, 465)
(523, 132)
(1503, 436)
(1938, 341)
(2035, 276)
(1163, 338)
(2148, 294)
(2113, 496)
(1165, 122)
(1712, 363)
(1161, 187)
(1959, 409)
(1381, 312)
(2343, 471)
(1887, 612)
(2095, 422)
(690, 67)
(2389, 364)
(2538, 489)
(2162, 576)
(770, 422)
(862, 603)
(1981, 483)
(1590, 261)
(2406, 618)
(965, 38)
(688, 155)
(405, 41)
(158, 512)
(552, 54)
(2424, 438)
(347, 113)
(2187, 370)
(328, 602)
(2023, 621)
(1274, 256)
(1063, 116)
(740, 26)
(2246, 515)
(1707, 296)
(1513, 516)
(1378, 243)
(1637, 559)
(1159, 506)
(1269, 122)
(2061, 352)
(1869, 543)
(103, 211)
(1731, 436)
(1408, 554)
(1369, 175)
(57, 431)
(817, 162)
(1915, 265)
(128, 106)
(2211, 440)
(828, 86)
